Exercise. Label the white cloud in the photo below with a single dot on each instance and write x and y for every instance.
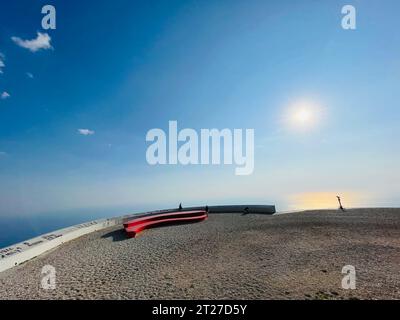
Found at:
(42, 42)
(3, 155)
(5, 95)
(86, 132)
(2, 65)
(29, 75)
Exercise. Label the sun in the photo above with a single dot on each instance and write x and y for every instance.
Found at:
(303, 115)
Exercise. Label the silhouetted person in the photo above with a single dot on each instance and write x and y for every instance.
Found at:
(180, 206)
(207, 209)
(340, 204)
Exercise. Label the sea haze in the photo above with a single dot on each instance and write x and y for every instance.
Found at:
(14, 229)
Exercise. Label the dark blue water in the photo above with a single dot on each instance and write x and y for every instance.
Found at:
(19, 228)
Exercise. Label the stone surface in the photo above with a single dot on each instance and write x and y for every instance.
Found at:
(290, 256)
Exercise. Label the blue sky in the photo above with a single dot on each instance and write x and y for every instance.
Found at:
(124, 67)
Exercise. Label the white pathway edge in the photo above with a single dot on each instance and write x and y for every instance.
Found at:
(21, 252)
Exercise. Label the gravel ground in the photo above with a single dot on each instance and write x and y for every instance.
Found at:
(229, 256)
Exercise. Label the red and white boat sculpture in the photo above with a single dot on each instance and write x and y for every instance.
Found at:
(136, 225)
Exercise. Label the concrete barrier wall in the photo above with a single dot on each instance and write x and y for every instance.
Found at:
(24, 251)
(260, 209)
(242, 209)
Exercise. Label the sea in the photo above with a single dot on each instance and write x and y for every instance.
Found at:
(18, 228)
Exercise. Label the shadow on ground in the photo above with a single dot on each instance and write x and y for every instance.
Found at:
(116, 235)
